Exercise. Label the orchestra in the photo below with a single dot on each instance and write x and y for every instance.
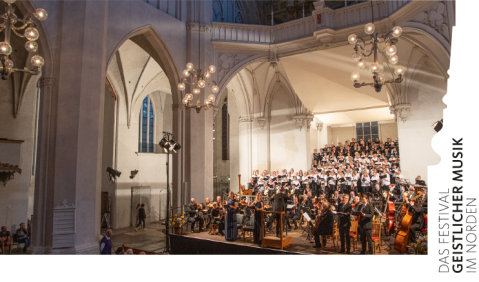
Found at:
(354, 181)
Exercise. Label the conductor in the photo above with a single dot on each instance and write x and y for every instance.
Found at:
(279, 204)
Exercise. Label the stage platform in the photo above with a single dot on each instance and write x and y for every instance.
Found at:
(203, 243)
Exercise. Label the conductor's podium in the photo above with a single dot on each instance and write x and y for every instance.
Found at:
(271, 241)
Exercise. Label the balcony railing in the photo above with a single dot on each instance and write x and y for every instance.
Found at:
(322, 18)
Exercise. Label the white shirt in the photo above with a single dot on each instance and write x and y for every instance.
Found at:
(367, 181)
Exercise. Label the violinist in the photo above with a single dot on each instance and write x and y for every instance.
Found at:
(194, 215)
(295, 214)
(207, 208)
(326, 224)
(217, 218)
(365, 224)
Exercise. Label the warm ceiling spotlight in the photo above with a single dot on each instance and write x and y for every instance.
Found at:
(437, 126)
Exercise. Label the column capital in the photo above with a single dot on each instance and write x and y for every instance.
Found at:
(47, 81)
(245, 119)
(400, 111)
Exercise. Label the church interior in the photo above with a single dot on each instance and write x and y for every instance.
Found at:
(118, 119)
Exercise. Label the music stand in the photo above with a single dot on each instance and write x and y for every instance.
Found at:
(309, 236)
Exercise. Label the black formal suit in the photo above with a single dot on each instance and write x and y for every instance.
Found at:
(325, 227)
(252, 187)
(192, 217)
(365, 226)
(295, 215)
(344, 226)
(417, 221)
(217, 219)
(279, 204)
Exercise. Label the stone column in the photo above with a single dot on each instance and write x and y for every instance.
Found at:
(245, 140)
(71, 135)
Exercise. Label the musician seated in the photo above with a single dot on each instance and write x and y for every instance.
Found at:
(216, 218)
(252, 186)
(417, 219)
(207, 208)
(326, 224)
(194, 214)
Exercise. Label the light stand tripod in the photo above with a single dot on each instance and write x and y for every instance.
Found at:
(167, 143)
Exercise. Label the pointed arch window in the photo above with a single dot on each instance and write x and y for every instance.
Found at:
(225, 121)
(146, 126)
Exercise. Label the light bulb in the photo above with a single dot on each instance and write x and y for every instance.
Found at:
(40, 14)
(186, 73)
(207, 74)
(211, 98)
(399, 70)
(196, 90)
(31, 33)
(397, 31)
(9, 1)
(5, 48)
(381, 77)
(215, 89)
(8, 63)
(189, 66)
(185, 101)
(361, 64)
(391, 50)
(356, 56)
(374, 67)
(37, 61)
(31, 46)
(189, 96)
(201, 83)
(207, 102)
(369, 28)
(212, 69)
(352, 39)
(394, 59)
(181, 86)
(355, 76)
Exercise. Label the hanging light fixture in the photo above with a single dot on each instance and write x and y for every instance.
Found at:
(30, 33)
(388, 47)
(197, 81)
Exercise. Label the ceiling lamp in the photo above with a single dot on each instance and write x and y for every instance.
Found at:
(388, 47)
(30, 33)
(197, 81)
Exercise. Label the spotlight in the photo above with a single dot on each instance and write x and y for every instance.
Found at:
(112, 173)
(165, 144)
(437, 126)
(175, 146)
(133, 173)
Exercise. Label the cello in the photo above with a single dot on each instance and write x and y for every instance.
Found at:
(402, 238)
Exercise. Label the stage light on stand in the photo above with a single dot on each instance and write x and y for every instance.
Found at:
(437, 126)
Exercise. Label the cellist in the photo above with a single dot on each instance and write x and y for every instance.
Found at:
(325, 226)
(417, 218)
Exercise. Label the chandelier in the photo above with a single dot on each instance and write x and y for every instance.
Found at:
(31, 34)
(386, 45)
(196, 80)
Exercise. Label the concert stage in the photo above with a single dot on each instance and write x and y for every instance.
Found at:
(203, 243)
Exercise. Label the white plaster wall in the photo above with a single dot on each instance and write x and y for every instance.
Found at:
(288, 146)
(16, 199)
(342, 133)
(416, 133)
(388, 130)
(151, 166)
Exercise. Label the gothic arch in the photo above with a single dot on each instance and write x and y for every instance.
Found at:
(150, 41)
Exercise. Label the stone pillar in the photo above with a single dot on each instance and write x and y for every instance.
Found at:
(199, 126)
(71, 135)
(245, 149)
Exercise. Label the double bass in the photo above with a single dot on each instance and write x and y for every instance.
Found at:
(402, 237)
(391, 216)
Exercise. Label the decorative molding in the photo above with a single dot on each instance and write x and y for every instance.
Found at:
(47, 81)
(301, 120)
(7, 172)
(435, 18)
(228, 61)
(319, 124)
(273, 59)
(400, 111)
(199, 27)
(215, 110)
(245, 119)
(261, 121)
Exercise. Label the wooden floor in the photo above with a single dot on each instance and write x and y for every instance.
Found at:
(299, 244)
